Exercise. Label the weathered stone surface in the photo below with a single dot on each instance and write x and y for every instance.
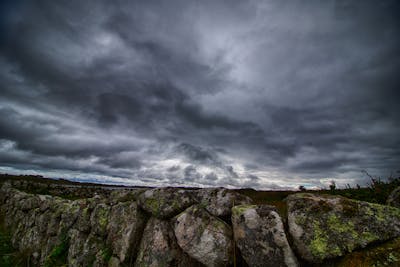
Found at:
(70, 211)
(29, 203)
(204, 237)
(394, 198)
(125, 229)
(219, 202)
(379, 255)
(159, 248)
(325, 226)
(85, 250)
(5, 189)
(99, 219)
(76, 257)
(259, 234)
(113, 262)
(165, 202)
(86, 208)
(123, 195)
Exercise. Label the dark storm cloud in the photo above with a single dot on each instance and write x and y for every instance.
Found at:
(198, 154)
(245, 93)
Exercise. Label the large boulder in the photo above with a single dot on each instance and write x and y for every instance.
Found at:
(125, 229)
(165, 202)
(203, 236)
(394, 198)
(159, 248)
(260, 236)
(219, 201)
(324, 226)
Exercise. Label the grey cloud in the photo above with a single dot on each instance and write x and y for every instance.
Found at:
(198, 154)
(221, 94)
(211, 177)
(231, 172)
(191, 174)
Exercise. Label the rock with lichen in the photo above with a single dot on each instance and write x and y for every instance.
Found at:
(124, 195)
(165, 202)
(394, 198)
(324, 226)
(379, 255)
(99, 219)
(86, 250)
(125, 229)
(219, 201)
(203, 236)
(260, 236)
(114, 262)
(159, 248)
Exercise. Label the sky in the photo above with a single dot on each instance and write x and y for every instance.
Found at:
(261, 94)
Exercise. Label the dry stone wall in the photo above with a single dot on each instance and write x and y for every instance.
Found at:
(179, 227)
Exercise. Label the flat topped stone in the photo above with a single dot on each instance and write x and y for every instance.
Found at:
(165, 202)
(260, 236)
(324, 226)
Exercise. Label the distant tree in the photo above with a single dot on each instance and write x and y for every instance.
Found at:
(302, 188)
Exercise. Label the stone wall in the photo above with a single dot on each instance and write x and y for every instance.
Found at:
(177, 227)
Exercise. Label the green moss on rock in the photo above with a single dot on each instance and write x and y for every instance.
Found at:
(103, 217)
(319, 243)
(387, 254)
(341, 225)
(153, 204)
(327, 227)
(237, 210)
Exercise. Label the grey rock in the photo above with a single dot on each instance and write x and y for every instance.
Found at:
(203, 236)
(219, 202)
(69, 211)
(113, 262)
(99, 219)
(125, 229)
(124, 195)
(165, 202)
(83, 222)
(159, 248)
(29, 203)
(324, 226)
(260, 236)
(85, 250)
